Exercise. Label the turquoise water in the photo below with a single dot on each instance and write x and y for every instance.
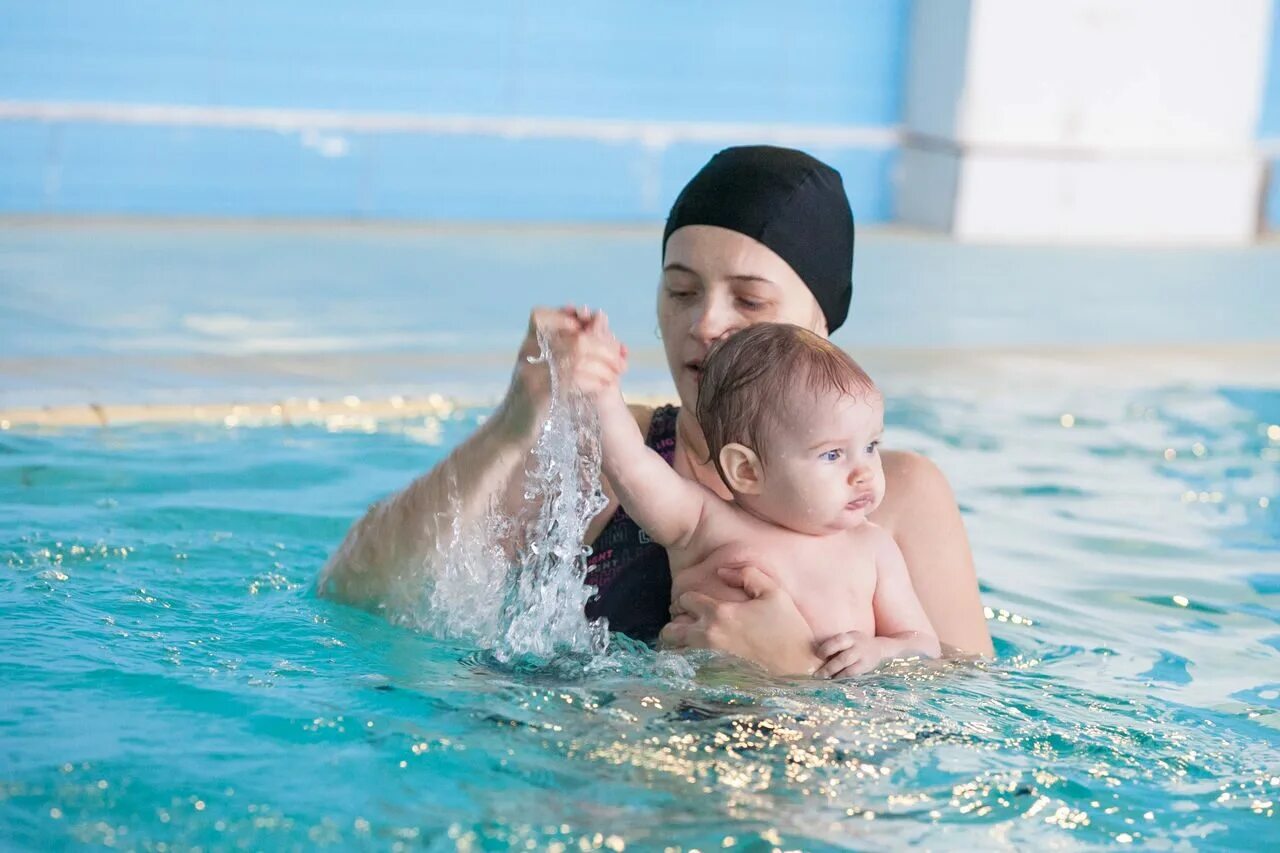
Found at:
(171, 681)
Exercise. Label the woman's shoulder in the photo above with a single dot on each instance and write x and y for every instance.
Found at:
(912, 480)
(647, 417)
(908, 463)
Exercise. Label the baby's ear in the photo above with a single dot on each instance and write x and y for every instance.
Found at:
(743, 472)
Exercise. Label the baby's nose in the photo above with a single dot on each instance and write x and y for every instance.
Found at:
(860, 474)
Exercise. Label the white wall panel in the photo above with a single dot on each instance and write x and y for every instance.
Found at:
(1005, 197)
(1108, 74)
(1090, 120)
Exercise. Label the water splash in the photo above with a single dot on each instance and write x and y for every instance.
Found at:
(471, 573)
(530, 602)
(544, 605)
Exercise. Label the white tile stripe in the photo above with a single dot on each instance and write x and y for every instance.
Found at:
(652, 134)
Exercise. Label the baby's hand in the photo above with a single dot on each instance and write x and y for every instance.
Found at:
(850, 653)
(598, 358)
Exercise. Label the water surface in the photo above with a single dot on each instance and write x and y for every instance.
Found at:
(171, 679)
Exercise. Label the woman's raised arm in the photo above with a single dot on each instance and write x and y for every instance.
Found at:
(395, 537)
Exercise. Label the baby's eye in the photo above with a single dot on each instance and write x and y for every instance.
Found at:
(831, 455)
(873, 446)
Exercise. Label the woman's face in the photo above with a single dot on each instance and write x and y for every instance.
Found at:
(715, 282)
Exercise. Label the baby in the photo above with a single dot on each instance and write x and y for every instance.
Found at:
(793, 426)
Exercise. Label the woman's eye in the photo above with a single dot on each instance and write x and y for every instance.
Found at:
(680, 294)
(751, 304)
(831, 455)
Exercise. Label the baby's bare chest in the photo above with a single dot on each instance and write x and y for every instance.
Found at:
(833, 584)
(831, 579)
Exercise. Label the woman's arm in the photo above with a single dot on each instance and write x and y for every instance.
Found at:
(397, 535)
(920, 512)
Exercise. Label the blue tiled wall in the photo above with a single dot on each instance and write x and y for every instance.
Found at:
(810, 62)
(230, 172)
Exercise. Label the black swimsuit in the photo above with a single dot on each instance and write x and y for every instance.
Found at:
(629, 570)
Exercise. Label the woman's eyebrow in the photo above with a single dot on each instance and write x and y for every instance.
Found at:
(744, 278)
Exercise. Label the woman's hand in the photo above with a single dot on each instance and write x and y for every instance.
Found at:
(574, 348)
(766, 628)
(596, 358)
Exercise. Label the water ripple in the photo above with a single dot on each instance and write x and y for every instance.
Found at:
(158, 615)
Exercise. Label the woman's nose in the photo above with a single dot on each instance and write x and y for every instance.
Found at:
(714, 321)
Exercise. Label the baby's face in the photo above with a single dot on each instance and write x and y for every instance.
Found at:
(822, 471)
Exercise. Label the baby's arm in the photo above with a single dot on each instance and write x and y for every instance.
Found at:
(902, 627)
(667, 506)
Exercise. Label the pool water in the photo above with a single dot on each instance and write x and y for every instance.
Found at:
(171, 680)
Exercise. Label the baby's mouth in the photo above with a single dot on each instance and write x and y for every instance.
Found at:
(860, 502)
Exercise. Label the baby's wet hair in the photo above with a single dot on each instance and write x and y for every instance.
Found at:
(749, 375)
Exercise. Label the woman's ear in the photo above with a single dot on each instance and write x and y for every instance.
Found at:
(743, 472)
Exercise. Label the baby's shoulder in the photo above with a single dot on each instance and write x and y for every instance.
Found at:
(871, 538)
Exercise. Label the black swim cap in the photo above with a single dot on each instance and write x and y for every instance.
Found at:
(787, 200)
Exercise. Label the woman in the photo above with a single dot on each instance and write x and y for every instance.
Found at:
(761, 234)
